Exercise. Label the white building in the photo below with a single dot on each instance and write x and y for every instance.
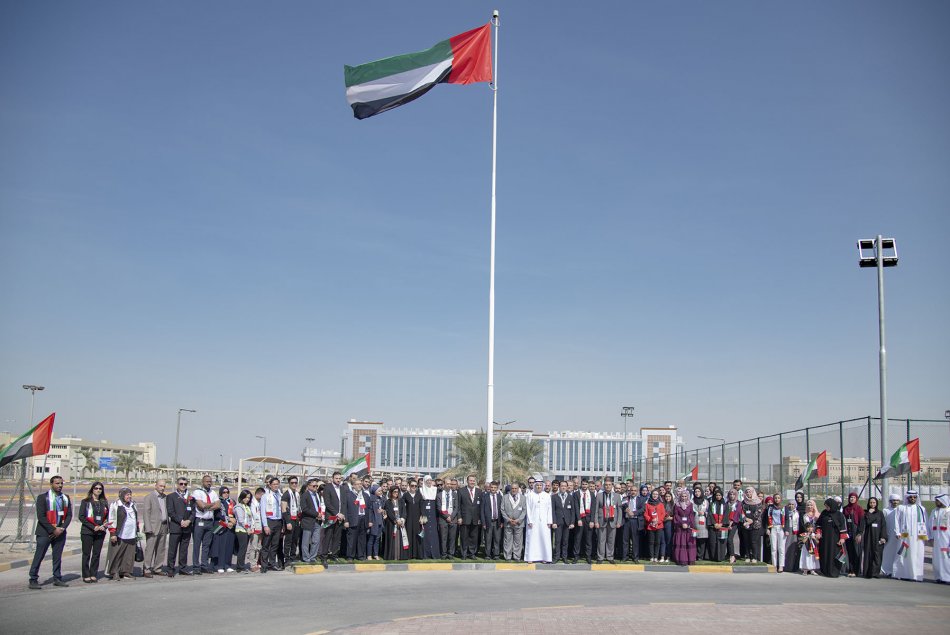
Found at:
(65, 457)
(583, 454)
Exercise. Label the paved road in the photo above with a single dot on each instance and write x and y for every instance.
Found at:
(459, 599)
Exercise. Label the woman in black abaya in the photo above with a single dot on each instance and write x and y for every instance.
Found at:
(834, 531)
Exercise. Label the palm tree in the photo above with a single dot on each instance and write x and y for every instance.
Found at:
(471, 452)
(523, 458)
(127, 463)
(90, 464)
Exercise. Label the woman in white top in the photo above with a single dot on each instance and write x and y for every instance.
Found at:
(123, 527)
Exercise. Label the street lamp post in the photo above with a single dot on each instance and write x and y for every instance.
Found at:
(876, 258)
(625, 412)
(177, 436)
(303, 455)
(723, 441)
(501, 453)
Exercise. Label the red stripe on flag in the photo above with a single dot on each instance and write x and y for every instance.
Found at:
(695, 473)
(821, 464)
(43, 435)
(471, 56)
(913, 454)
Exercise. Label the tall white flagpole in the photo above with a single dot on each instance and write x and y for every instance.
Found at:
(491, 269)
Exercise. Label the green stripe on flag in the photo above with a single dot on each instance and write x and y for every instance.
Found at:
(355, 75)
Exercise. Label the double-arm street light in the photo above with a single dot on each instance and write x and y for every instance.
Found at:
(625, 412)
(879, 253)
(723, 442)
(177, 436)
(501, 452)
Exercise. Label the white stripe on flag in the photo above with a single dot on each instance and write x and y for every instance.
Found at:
(395, 85)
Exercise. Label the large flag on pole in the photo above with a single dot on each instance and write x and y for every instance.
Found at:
(379, 86)
(906, 459)
(692, 475)
(816, 468)
(34, 442)
(360, 466)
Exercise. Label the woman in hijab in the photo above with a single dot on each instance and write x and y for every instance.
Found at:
(793, 514)
(684, 541)
(397, 539)
(412, 500)
(375, 510)
(667, 543)
(718, 528)
(853, 515)
(123, 525)
(700, 509)
(751, 527)
(734, 509)
(654, 513)
(222, 549)
(431, 550)
(832, 532)
(871, 538)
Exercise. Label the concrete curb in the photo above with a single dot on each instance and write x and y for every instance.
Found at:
(18, 564)
(368, 567)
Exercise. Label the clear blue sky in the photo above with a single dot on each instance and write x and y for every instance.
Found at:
(190, 217)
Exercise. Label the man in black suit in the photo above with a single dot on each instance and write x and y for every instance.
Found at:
(53, 515)
(447, 504)
(564, 517)
(470, 505)
(355, 510)
(584, 536)
(180, 516)
(492, 522)
(332, 499)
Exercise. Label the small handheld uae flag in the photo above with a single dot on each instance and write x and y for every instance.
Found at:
(379, 86)
(360, 467)
(693, 474)
(32, 443)
(906, 459)
(816, 468)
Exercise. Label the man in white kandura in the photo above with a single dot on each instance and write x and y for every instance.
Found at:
(890, 526)
(940, 534)
(911, 534)
(537, 547)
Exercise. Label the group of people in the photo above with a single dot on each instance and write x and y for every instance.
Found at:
(357, 519)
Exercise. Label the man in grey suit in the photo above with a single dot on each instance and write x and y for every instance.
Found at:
(447, 505)
(513, 512)
(155, 524)
(607, 518)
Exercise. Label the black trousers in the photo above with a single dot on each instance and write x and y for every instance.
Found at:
(653, 543)
(631, 539)
(269, 544)
(562, 543)
(91, 548)
(493, 535)
(43, 543)
(178, 548)
(204, 536)
(448, 537)
(356, 539)
(584, 541)
(330, 541)
(291, 540)
(469, 536)
(242, 538)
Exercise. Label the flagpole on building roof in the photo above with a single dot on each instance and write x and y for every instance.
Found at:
(489, 447)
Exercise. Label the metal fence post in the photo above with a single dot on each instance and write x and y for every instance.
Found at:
(739, 463)
(807, 459)
(870, 473)
(781, 467)
(910, 475)
(758, 462)
(841, 457)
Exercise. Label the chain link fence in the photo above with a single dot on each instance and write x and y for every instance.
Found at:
(774, 462)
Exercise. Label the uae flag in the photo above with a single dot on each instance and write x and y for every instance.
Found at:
(379, 86)
(359, 467)
(32, 443)
(816, 468)
(906, 459)
(692, 475)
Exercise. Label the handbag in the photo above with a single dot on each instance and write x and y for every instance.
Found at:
(139, 553)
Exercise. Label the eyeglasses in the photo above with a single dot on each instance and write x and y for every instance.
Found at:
(182, 482)
(97, 488)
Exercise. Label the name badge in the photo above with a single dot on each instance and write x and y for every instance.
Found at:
(568, 505)
(874, 525)
(187, 508)
(684, 520)
(60, 513)
(98, 518)
(478, 502)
